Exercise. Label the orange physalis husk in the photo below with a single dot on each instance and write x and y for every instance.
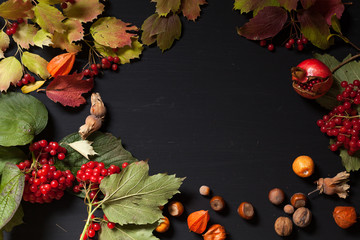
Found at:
(197, 221)
(61, 64)
(215, 232)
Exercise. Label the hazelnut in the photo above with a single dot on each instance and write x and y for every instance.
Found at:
(302, 217)
(283, 226)
(246, 210)
(175, 209)
(276, 196)
(217, 203)
(289, 209)
(204, 190)
(163, 226)
(298, 200)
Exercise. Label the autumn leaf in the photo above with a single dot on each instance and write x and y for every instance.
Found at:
(163, 7)
(42, 38)
(49, 18)
(84, 10)
(112, 32)
(14, 9)
(191, 8)
(327, 8)
(62, 41)
(267, 23)
(35, 64)
(288, 4)
(146, 27)
(75, 30)
(32, 86)
(10, 72)
(4, 43)
(25, 34)
(307, 3)
(67, 89)
(246, 6)
(83, 147)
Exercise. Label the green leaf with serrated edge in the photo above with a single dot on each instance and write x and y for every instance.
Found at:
(246, 6)
(51, 2)
(128, 232)
(16, 220)
(134, 197)
(35, 64)
(14, 9)
(11, 191)
(42, 38)
(167, 29)
(351, 163)
(10, 154)
(22, 117)
(112, 32)
(191, 8)
(49, 18)
(164, 7)
(146, 37)
(10, 72)
(4, 43)
(335, 24)
(314, 28)
(84, 10)
(109, 149)
(25, 34)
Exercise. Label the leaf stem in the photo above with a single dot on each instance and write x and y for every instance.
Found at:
(345, 62)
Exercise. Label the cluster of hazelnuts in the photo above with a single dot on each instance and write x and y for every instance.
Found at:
(301, 216)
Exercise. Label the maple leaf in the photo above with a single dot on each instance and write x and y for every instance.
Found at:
(42, 38)
(62, 41)
(112, 32)
(327, 8)
(84, 10)
(67, 89)
(191, 9)
(10, 72)
(14, 9)
(267, 23)
(246, 6)
(163, 7)
(4, 43)
(75, 30)
(49, 18)
(289, 4)
(25, 34)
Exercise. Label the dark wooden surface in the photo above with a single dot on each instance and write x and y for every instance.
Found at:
(218, 109)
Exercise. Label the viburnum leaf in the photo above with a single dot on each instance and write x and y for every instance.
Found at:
(49, 18)
(42, 38)
(267, 23)
(10, 154)
(11, 191)
(146, 37)
(307, 3)
(134, 197)
(35, 64)
(62, 41)
(109, 151)
(163, 7)
(191, 8)
(32, 86)
(4, 43)
(22, 117)
(335, 24)
(327, 8)
(25, 34)
(75, 30)
(289, 4)
(51, 2)
(10, 72)
(130, 231)
(84, 148)
(246, 6)
(15, 220)
(314, 28)
(67, 89)
(84, 10)
(351, 163)
(14, 9)
(112, 32)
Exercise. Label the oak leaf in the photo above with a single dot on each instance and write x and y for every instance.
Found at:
(164, 7)
(42, 38)
(25, 34)
(49, 18)
(4, 43)
(246, 6)
(14, 9)
(191, 9)
(84, 10)
(10, 72)
(67, 89)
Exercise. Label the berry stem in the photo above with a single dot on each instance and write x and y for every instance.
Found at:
(345, 62)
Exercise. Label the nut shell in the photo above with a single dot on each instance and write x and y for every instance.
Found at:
(204, 190)
(246, 210)
(283, 226)
(289, 209)
(302, 217)
(175, 208)
(163, 226)
(276, 196)
(298, 200)
(217, 203)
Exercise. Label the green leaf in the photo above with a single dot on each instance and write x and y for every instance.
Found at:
(351, 163)
(134, 197)
(49, 18)
(10, 154)
(112, 32)
(84, 10)
(246, 6)
(35, 64)
(109, 149)
(25, 34)
(15, 220)
(42, 38)
(11, 191)
(14, 9)
(164, 7)
(4, 43)
(51, 2)
(22, 117)
(10, 72)
(128, 232)
(335, 24)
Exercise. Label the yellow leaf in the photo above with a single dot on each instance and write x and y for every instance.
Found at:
(32, 86)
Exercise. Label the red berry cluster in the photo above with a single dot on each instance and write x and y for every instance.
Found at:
(95, 227)
(27, 78)
(43, 182)
(300, 42)
(65, 4)
(12, 28)
(106, 63)
(343, 122)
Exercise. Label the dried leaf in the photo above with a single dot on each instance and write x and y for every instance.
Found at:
(191, 8)
(84, 148)
(67, 89)
(61, 64)
(42, 38)
(163, 7)
(62, 41)
(336, 185)
(246, 6)
(25, 34)
(75, 30)
(84, 10)
(49, 18)
(14, 9)
(267, 23)
(4, 43)
(35, 64)
(10, 72)
(32, 86)
(112, 32)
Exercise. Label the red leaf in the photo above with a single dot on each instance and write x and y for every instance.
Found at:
(267, 23)
(67, 89)
(288, 4)
(327, 8)
(307, 3)
(191, 8)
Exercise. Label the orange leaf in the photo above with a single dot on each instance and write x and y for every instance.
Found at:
(61, 64)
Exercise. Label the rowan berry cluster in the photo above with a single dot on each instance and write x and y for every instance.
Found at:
(12, 28)
(106, 63)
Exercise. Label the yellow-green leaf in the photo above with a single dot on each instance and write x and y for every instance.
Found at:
(32, 86)
(51, 2)
(84, 10)
(35, 64)
(335, 23)
(25, 34)
(4, 43)
(14, 9)
(49, 18)
(246, 6)
(164, 7)
(10, 72)
(42, 38)
(62, 41)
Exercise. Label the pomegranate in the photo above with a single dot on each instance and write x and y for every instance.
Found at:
(311, 78)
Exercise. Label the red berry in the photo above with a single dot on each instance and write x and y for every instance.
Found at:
(291, 41)
(288, 45)
(263, 43)
(124, 165)
(20, 20)
(271, 47)
(114, 67)
(300, 47)
(91, 233)
(24, 81)
(8, 32)
(61, 156)
(64, 5)
(304, 40)
(96, 226)
(110, 225)
(110, 58)
(94, 67)
(87, 72)
(116, 59)
(43, 143)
